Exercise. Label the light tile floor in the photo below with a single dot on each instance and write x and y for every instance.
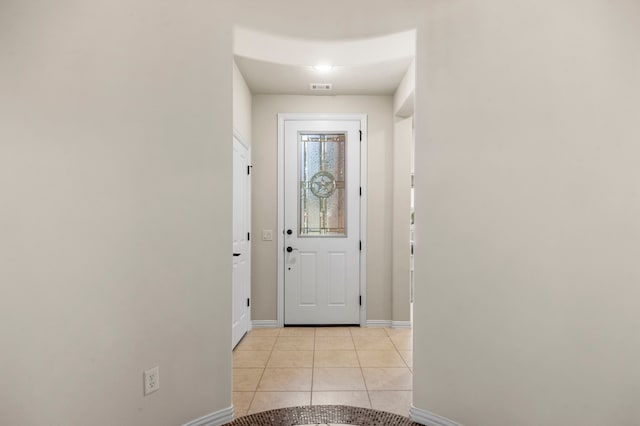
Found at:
(292, 366)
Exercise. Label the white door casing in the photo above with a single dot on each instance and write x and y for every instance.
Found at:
(320, 265)
(241, 282)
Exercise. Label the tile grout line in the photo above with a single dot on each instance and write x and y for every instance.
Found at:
(366, 388)
(396, 350)
(313, 367)
(256, 389)
(262, 374)
(410, 367)
(401, 357)
(303, 367)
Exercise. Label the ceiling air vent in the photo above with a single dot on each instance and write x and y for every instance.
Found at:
(320, 86)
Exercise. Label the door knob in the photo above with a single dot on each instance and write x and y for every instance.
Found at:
(289, 232)
(290, 249)
(236, 254)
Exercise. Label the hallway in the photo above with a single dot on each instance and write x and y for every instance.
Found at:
(293, 366)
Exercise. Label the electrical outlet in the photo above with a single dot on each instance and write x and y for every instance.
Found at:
(151, 380)
(267, 235)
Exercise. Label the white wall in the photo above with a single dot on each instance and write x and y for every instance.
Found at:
(115, 183)
(264, 189)
(404, 97)
(241, 105)
(528, 213)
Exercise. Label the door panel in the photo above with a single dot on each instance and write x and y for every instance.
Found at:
(322, 210)
(309, 285)
(337, 282)
(241, 278)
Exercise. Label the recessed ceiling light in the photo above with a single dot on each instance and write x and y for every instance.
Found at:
(323, 67)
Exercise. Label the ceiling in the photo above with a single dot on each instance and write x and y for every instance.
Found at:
(273, 64)
(372, 79)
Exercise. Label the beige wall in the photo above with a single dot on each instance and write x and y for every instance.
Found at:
(403, 106)
(528, 213)
(115, 122)
(264, 189)
(115, 161)
(401, 221)
(241, 106)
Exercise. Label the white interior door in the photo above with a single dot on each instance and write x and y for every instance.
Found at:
(322, 222)
(241, 320)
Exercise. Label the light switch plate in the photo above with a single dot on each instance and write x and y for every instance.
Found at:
(267, 235)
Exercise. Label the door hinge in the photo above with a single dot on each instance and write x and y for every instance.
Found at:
(361, 245)
(360, 135)
(248, 236)
(249, 169)
(248, 302)
(361, 191)
(360, 301)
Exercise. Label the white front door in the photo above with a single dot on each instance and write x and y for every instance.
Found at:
(241, 246)
(322, 222)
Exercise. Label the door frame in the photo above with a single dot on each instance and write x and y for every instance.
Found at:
(282, 118)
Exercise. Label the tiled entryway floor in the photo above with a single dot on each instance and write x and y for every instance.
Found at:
(292, 366)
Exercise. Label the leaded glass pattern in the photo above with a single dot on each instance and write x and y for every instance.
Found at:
(322, 210)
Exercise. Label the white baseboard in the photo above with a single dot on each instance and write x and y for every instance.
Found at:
(378, 323)
(264, 323)
(217, 418)
(370, 323)
(427, 418)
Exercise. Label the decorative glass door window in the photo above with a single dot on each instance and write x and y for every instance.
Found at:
(322, 184)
